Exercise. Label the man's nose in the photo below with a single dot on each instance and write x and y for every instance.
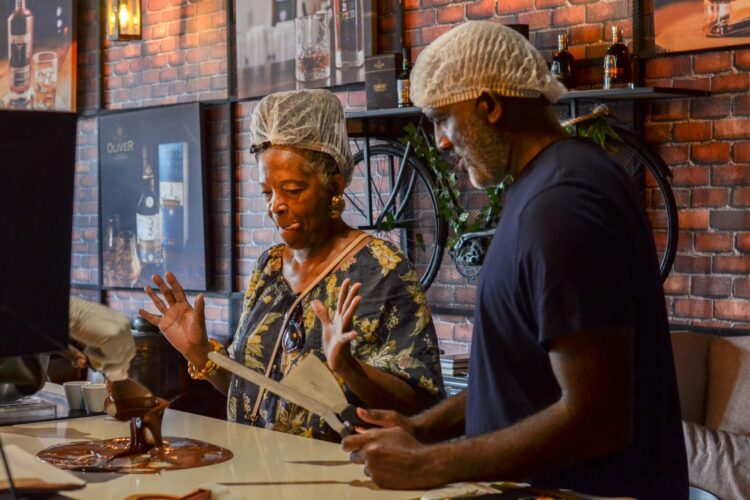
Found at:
(441, 140)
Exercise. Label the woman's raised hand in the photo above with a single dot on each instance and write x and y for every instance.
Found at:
(336, 338)
(182, 324)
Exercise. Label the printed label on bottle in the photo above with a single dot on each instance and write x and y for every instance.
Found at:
(402, 88)
(171, 192)
(149, 227)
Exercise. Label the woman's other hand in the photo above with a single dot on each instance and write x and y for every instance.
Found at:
(336, 338)
(182, 324)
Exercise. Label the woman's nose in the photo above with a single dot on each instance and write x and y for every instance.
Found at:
(277, 205)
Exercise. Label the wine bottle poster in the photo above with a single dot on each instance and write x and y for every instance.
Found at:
(37, 55)
(152, 196)
(294, 44)
(690, 25)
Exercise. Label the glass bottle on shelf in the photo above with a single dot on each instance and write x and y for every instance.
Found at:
(350, 33)
(20, 48)
(403, 80)
(617, 72)
(148, 221)
(562, 62)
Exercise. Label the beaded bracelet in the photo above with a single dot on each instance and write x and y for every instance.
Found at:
(210, 368)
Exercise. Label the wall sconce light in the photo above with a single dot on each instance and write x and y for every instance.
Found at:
(123, 20)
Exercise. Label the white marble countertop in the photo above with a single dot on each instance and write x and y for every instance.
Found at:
(268, 465)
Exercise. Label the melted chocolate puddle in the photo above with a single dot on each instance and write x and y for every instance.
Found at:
(146, 451)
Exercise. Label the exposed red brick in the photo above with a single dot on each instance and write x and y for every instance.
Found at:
(731, 175)
(741, 105)
(481, 9)
(430, 34)
(713, 242)
(734, 310)
(693, 308)
(668, 67)
(710, 107)
(546, 4)
(585, 34)
(658, 132)
(712, 152)
(710, 197)
(692, 131)
(419, 19)
(677, 284)
(606, 11)
(690, 176)
(514, 6)
(738, 128)
(712, 62)
(451, 14)
(693, 83)
(566, 16)
(742, 59)
(597, 50)
(742, 287)
(536, 20)
(743, 242)
(741, 197)
(730, 219)
(693, 219)
(673, 154)
(741, 152)
(411, 4)
(669, 109)
(730, 83)
(711, 286)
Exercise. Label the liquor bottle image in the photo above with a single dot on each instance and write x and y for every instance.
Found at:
(20, 48)
(562, 62)
(617, 71)
(350, 33)
(403, 80)
(283, 10)
(148, 221)
(173, 191)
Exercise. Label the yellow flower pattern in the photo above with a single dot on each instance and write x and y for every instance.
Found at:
(395, 329)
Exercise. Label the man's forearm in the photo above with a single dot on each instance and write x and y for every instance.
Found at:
(443, 421)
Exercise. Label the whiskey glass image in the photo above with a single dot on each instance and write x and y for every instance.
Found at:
(44, 79)
(313, 47)
(109, 249)
(127, 264)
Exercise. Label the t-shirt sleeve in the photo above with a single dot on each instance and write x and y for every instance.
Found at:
(396, 331)
(576, 260)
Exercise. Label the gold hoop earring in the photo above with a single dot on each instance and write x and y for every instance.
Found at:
(337, 206)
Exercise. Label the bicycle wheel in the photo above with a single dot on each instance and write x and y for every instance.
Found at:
(651, 174)
(398, 206)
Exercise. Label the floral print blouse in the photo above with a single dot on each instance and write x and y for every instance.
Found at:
(396, 333)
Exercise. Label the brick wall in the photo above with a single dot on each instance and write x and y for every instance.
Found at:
(183, 57)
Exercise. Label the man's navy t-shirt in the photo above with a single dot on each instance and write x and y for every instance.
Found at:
(574, 251)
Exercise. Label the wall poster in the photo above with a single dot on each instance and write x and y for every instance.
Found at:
(688, 25)
(152, 196)
(292, 44)
(37, 55)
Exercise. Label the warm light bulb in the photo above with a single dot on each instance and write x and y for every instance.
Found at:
(124, 15)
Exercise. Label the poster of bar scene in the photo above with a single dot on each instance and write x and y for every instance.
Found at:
(688, 25)
(152, 196)
(293, 44)
(37, 55)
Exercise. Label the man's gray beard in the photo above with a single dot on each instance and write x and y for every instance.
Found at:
(494, 165)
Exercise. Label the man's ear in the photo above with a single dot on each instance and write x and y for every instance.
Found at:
(490, 105)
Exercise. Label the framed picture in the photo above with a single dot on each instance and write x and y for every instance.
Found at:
(689, 25)
(152, 196)
(37, 55)
(292, 44)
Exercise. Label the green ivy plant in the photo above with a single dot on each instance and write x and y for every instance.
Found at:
(447, 194)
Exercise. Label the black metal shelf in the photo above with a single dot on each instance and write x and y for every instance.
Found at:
(633, 94)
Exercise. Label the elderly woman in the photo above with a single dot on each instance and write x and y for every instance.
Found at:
(385, 356)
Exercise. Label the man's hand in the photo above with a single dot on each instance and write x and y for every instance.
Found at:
(104, 332)
(393, 458)
(387, 418)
